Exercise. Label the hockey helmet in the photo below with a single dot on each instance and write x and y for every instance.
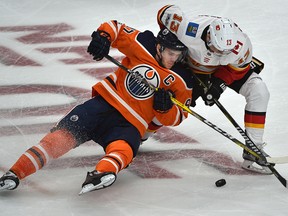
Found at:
(169, 40)
(222, 35)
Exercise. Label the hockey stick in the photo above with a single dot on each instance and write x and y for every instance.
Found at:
(178, 103)
(278, 160)
(143, 80)
(231, 119)
(246, 138)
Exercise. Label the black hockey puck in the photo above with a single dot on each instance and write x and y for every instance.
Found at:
(220, 182)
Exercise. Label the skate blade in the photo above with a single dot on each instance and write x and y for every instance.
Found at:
(88, 188)
(248, 165)
(106, 182)
(9, 185)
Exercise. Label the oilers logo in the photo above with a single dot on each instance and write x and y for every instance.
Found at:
(137, 86)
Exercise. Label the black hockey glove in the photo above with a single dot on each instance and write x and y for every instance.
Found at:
(216, 89)
(162, 102)
(100, 45)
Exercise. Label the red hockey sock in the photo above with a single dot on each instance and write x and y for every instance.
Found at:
(53, 145)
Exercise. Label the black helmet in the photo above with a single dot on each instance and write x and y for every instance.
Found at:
(169, 40)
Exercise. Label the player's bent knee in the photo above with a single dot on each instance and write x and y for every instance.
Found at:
(261, 92)
(122, 149)
(256, 94)
(119, 155)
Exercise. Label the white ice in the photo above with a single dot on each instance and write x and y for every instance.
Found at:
(54, 190)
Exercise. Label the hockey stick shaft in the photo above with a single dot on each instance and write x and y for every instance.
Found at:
(178, 103)
(113, 60)
(273, 170)
(245, 136)
(278, 160)
(231, 119)
(213, 126)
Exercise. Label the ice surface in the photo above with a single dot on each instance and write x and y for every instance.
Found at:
(45, 71)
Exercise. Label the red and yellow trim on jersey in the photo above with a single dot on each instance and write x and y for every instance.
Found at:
(255, 119)
(230, 73)
(199, 68)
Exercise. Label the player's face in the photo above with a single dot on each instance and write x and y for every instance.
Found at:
(169, 57)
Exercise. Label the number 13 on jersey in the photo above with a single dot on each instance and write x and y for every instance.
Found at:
(175, 23)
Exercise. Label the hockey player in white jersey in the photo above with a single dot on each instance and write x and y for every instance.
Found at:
(220, 54)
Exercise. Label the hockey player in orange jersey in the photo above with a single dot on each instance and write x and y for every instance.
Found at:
(121, 107)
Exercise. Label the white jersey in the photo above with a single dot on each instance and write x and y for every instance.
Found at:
(192, 31)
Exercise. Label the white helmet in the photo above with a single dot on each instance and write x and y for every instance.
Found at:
(223, 35)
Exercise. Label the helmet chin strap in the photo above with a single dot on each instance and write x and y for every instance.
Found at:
(160, 60)
(159, 56)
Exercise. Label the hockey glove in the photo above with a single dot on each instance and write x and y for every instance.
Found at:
(216, 89)
(100, 45)
(162, 102)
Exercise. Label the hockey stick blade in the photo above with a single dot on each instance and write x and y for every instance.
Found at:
(277, 160)
(278, 176)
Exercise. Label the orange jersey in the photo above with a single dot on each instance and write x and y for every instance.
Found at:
(131, 98)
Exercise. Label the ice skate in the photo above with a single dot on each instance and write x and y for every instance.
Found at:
(254, 164)
(96, 181)
(9, 181)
